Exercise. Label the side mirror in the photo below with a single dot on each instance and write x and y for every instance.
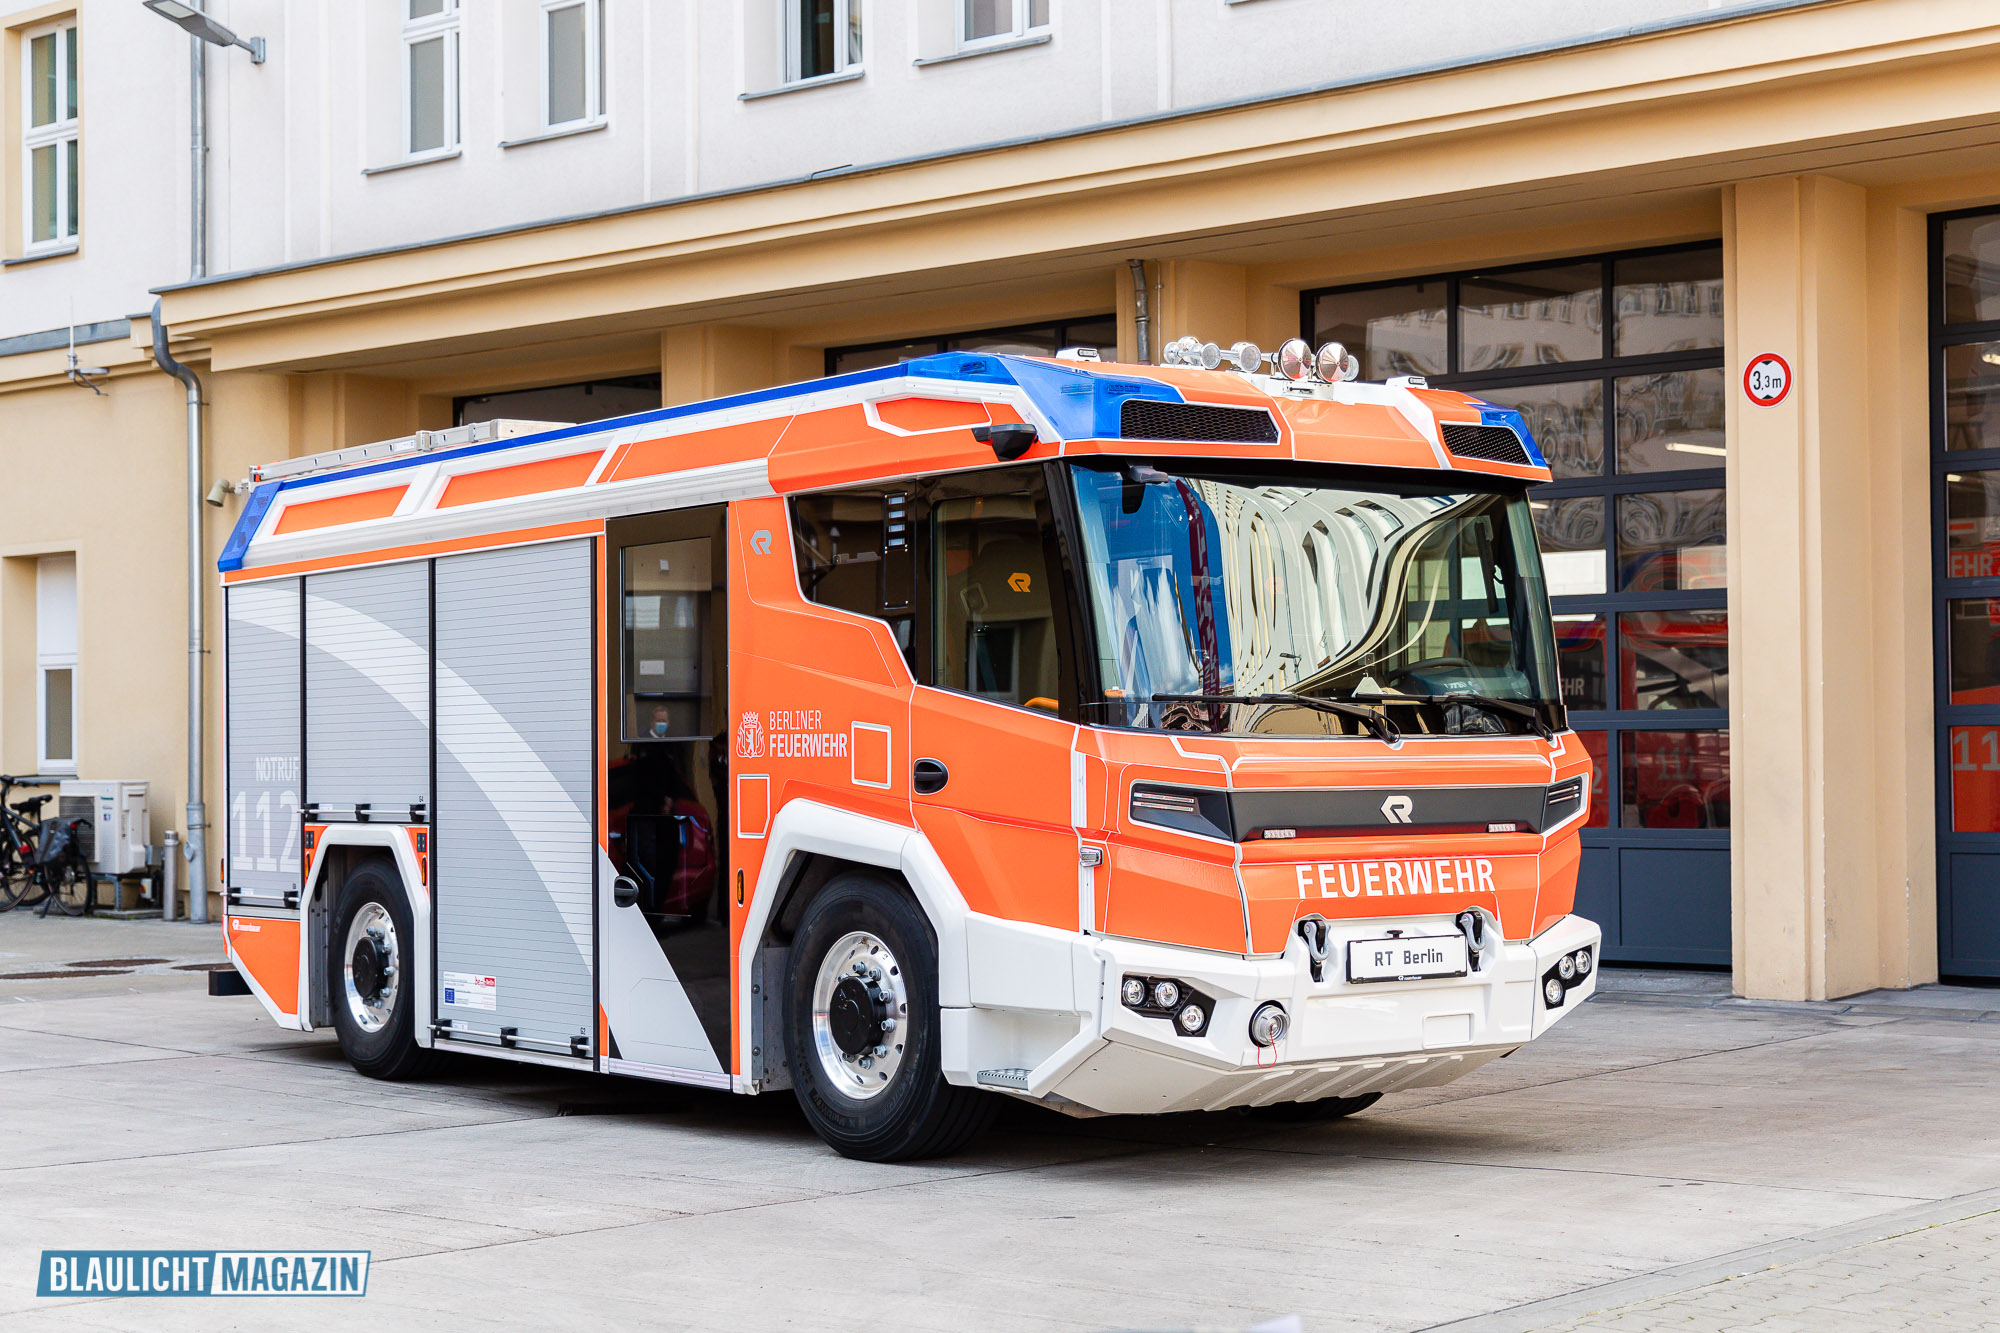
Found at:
(625, 891)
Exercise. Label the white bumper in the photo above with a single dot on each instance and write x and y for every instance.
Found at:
(1046, 1021)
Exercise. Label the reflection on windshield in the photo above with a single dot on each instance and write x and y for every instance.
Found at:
(1204, 585)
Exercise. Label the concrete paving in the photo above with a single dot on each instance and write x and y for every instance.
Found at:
(1669, 1157)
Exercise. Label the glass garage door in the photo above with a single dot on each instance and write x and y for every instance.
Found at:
(1965, 499)
(1616, 363)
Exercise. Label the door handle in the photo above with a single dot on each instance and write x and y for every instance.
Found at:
(929, 777)
(624, 891)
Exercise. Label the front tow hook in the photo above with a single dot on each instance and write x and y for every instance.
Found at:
(1318, 936)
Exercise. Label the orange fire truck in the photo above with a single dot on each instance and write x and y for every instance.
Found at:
(1121, 738)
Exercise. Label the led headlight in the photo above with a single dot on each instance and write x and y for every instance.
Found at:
(1166, 994)
(1566, 968)
(1133, 992)
(1552, 991)
(1191, 1018)
(1583, 962)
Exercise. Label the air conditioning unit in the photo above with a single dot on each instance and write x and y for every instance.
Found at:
(119, 823)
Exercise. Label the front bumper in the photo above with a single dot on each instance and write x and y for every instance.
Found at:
(1345, 1039)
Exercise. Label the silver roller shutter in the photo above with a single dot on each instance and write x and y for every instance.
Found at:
(262, 682)
(514, 845)
(368, 688)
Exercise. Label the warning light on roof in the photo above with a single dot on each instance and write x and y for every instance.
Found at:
(1334, 364)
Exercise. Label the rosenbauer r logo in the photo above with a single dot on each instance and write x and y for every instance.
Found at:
(1396, 809)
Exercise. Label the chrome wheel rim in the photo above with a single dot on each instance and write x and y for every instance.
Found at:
(863, 959)
(373, 926)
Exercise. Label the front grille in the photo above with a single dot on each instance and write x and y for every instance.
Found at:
(1150, 419)
(1495, 444)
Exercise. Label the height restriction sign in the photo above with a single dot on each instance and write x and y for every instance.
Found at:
(1767, 379)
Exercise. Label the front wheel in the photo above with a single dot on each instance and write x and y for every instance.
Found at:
(370, 977)
(862, 1028)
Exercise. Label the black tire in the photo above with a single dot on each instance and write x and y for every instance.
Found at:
(916, 1114)
(1326, 1108)
(390, 1052)
(71, 888)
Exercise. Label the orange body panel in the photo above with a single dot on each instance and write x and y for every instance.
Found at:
(267, 949)
(708, 448)
(928, 414)
(841, 447)
(338, 509)
(1001, 825)
(1358, 433)
(504, 483)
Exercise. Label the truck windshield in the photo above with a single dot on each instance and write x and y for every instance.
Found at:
(1422, 603)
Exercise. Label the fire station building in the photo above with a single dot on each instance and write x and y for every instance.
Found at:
(1738, 265)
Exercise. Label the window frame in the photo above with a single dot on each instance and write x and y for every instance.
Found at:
(940, 341)
(63, 134)
(1610, 485)
(1021, 28)
(792, 48)
(49, 659)
(593, 65)
(415, 31)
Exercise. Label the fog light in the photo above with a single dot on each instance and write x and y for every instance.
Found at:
(1552, 991)
(1191, 1018)
(1133, 992)
(1166, 994)
(1566, 968)
(1268, 1024)
(1582, 962)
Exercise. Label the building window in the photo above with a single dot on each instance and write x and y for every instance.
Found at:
(572, 62)
(983, 21)
(1616, 363)
(822, 38)
(430, 77)
(55, 664)
(592, 400)
(51, 158)
(1098, 332)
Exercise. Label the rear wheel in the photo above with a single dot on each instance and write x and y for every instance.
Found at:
(861, 1026)
(371, 976)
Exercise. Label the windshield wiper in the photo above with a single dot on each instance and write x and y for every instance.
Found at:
(1378, 724)
(1512, 707)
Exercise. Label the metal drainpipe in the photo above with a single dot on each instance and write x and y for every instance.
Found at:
(197, 811)
(1140, 311)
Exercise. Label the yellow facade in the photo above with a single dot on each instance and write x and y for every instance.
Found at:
(1813, 142)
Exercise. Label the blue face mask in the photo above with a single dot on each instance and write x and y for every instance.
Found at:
(660, 728)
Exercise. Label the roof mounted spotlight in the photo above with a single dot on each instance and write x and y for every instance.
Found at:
(1334, 364)
(192, 21)
(1246, 357)
(1211, 356)
(1182, 351)
(1295, 359)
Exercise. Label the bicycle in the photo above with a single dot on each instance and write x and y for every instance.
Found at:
(69, 884)
(20, 844)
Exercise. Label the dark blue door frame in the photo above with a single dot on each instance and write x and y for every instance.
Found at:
(1968, 863)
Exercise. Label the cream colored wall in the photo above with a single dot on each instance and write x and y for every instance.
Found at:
(101, 477)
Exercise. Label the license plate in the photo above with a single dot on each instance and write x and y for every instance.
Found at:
(1407, 958)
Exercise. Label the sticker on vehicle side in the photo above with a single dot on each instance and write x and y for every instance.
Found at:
(468, 991)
